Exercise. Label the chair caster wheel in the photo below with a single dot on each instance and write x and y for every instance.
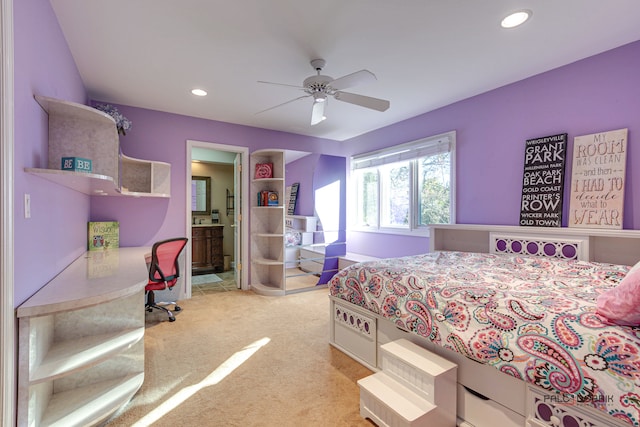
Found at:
(149, 310)
(176, 308)
(172, 319)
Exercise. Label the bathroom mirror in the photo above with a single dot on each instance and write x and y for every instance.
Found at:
(201, 195)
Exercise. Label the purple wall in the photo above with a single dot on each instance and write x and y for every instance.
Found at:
(298, 171)
(314, 172)
(596, 94)
(329, 171)
(162, 136)
(56, 232)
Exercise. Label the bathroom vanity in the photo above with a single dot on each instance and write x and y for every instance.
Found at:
(206, 248)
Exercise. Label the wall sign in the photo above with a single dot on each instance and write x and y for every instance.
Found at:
(597, 180)
(543, 181)
(292, 197)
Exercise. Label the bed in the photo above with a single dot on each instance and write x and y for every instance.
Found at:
(515, 309)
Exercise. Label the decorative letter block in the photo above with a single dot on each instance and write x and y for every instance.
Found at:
(77, 164)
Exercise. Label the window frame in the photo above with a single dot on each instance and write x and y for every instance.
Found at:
(411, 151)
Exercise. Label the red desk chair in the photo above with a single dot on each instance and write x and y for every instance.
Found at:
(164, 272)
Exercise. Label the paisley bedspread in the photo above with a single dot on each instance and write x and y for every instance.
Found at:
(530, 317)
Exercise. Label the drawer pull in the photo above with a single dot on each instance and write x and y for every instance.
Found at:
(475, 393)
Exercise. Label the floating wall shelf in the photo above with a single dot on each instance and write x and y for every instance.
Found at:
(76, 130)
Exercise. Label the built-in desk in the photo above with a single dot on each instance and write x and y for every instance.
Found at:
(81, 346)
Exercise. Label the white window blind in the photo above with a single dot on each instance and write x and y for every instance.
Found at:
(421, 148)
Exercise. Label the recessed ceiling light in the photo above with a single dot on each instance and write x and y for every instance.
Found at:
(199, 92)
(516, 18)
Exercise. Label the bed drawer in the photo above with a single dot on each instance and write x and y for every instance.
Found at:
(354, 332)
(311, 266)
(546, 409)
(311, 261)
(481, 412)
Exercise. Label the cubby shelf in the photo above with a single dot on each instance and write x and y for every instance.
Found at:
(80, 407)
(256, 180)
(68, 356)
(274, 235)
(267, 227)
(81, 340)
(76, 130)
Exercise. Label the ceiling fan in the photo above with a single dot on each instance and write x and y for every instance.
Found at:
(320, 87)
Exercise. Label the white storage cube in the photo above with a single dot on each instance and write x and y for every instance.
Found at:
(301, 223)
(415, 388)
(419, 368)
(388, 403)
(306, 238)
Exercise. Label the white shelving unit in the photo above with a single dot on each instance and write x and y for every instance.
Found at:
(81, 341)
(305, 227)
(76, 130)
(267, 227)
(145, 178)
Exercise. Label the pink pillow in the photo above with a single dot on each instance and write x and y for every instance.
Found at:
(621, 305)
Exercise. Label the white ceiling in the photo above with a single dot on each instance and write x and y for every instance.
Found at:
(425, 53)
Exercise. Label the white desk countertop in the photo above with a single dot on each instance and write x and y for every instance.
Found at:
(93, 278)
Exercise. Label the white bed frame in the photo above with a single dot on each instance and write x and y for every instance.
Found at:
(487, 397)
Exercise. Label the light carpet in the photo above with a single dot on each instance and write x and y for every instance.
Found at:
(205, 278)
(242, 359)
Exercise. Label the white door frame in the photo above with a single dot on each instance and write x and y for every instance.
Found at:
(243, 250)
(8, 371)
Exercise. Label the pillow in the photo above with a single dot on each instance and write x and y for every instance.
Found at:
(292, 237)
(621, 305)
(635, 267)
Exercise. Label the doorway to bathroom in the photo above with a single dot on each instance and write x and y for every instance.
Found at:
(215, 182)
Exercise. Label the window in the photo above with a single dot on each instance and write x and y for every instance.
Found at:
(406, 187)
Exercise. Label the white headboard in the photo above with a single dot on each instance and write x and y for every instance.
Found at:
(539, 245)
(600, 245)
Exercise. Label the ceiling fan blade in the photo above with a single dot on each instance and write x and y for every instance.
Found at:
(363, 101)
(317, 112)
(281, 84)
(353, 79)
(284, 103)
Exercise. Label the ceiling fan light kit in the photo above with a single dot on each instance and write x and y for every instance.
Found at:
(319, 97)
(319, 87)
